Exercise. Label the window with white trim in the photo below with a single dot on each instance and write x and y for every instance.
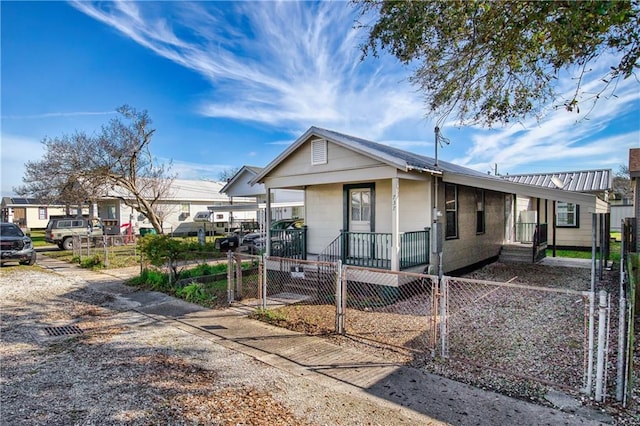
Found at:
(318, 152)
(567, 215)
(451, 208)
(42, 213)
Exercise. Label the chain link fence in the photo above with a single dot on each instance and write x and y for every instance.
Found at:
(532, 332)
(392, 308)
(279, 281)
(109, 250)
(547, 335)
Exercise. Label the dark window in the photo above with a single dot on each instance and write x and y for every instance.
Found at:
(479, 211)
(451, 208)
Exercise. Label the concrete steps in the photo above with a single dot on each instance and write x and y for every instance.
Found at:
(516, 253)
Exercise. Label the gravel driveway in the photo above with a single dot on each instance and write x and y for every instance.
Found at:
(129, 368)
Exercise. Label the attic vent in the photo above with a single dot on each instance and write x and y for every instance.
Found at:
(318, 151)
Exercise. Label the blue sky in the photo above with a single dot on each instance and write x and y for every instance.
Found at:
(232, 83)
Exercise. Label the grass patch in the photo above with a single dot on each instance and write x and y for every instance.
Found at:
(614, 252)
(37, 236)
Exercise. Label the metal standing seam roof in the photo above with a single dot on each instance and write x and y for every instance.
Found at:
(577, 181)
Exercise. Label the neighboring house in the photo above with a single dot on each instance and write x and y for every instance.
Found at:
(572, 226)
(285, 203)
(29, 213)
(185, 200)
(374, 205)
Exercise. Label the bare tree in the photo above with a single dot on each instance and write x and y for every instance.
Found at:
(622, 183)
(116, 162)
(227, 174)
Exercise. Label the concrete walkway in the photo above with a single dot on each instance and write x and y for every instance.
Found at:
(354, 372)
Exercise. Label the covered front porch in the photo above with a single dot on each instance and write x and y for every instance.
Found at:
(375, 249)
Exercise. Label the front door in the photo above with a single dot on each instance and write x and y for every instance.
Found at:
(359, 222)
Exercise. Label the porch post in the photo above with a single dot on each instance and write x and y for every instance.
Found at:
(267, 220)
(395, 224)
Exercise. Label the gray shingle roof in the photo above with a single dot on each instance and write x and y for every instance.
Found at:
(578, 181)
(395, 155)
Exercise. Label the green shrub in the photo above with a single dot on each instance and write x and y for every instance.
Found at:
(202, 270)
(193, 292)
(153, 279)
(93, 262)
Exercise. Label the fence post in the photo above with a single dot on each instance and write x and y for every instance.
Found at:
(238, 260)
(264, 281)
(338, 292)
(261, 294)
(602, 319)
(105, 250)
(592, 302)
(622, 325)
(444, 287)
(230, 280)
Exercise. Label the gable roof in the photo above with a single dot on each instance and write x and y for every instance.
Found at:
(395, 157)
(182, 190)
(250, 170)
(406, 161)
(578, 181)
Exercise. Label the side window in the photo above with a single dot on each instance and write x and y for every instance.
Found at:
(77, 224)
(64, 224)
(480, 218)
(451, 208)
(567, 215)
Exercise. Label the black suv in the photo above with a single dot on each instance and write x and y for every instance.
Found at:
(15, 246)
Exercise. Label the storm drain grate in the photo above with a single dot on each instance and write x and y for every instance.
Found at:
(63, 331)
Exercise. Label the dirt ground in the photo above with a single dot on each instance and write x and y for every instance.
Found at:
(129, 368)
(320, 319)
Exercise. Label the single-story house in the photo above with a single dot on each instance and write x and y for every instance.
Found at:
(29, 213)
(185, 200)
(374, 205)
(285, 203)
(571, 224)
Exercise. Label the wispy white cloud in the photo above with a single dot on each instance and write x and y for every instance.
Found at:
(562, 137)
(190, 170)
(295, 64)
(276, 63)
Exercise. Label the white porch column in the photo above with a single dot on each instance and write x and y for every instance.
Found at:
(395, 224)
(267, 220)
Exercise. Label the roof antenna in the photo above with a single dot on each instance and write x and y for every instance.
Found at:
(440, 140)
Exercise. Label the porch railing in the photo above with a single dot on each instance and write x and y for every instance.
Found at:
(372, 249)
(525, 232)
(290, 243)
(540, 242)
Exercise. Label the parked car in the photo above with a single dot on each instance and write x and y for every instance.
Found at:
(61, 230)
(15, 246)
(281, 241)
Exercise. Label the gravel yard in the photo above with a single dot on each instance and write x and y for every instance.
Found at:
(128, 368)
(536, 335)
